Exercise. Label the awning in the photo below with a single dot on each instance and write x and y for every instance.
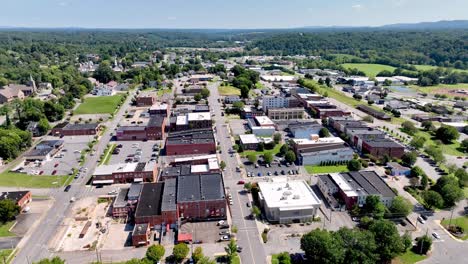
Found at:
(184, 238)
(138, 180)
(103, 181)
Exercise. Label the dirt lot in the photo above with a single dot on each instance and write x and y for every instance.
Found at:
(84, 210)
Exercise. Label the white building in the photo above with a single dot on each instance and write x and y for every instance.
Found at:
(103, 90)
(277, 78)
(287, 201)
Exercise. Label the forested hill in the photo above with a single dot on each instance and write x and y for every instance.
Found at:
(394, 47)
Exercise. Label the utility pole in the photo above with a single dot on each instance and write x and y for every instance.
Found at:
(451, 216)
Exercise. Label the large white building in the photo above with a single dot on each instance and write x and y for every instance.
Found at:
(287, 201)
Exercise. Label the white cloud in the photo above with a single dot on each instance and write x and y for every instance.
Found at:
(171, 18)
(63, 3)
(357, 7)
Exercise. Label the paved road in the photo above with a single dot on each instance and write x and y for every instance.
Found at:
(247, 236)
(34, 247)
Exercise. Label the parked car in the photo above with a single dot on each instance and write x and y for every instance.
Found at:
(54, 172)
(224, 233)
(67, 188)
(221, 222)
(224, 226)
(434, 234)
(247, 204)
(421, 220)
(56, 165)
(424, 217)
(241, 182)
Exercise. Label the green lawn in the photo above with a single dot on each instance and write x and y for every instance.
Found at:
(108, 154)
(259, 85)
(409, 258)
(228, 90)
(13, 179)
(430, 67)
(99, 105)
(313, 169)
(435, 89)
(4, 229)
(459, 221)
(164, 91)
(4, 254)
(273, 151)
(450, 149)
(371, 70)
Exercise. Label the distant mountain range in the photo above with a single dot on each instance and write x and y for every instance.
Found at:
(437, 25)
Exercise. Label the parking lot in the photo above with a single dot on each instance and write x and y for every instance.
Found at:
(64, 161)
(238, 126)
(135, 151)
(275, 169)
(205, 232)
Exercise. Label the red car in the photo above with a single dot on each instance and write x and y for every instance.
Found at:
(54, 172)
(41, 172)
(56, 165)
(241, 182)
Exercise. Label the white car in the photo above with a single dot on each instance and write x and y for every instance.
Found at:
(221, 222)
(434, 234)
(421, 220)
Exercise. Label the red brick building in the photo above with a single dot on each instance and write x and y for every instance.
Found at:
(68, 129)
(145, 100)
(141, 235)
(201, 197)
(21, 198)
(157, 204)
(381, 147)
(199, 141)
(153, 130)
(125, 173)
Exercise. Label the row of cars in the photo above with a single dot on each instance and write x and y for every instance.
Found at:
(276, 173)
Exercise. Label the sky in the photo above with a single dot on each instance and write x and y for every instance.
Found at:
(225, 13)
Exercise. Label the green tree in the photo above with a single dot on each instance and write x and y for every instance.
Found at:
(428, 125)
(104, 73)
(290, 156)
(447, 134)
(43, 126)
(409, 128)
(409, 158)
(197, 97)
(464, 145)
(354, 165)
(424, 181)
(239, 105)
(416, 171)
(359, 246)
(252, 158)
(222, 165)
(462, 176)
(231, 250)
(248, 186)
(197, 254)
(256, 211)
(206, 260)
(180, 252)
(388, 241)
(418, 142)
(283, 258)
(423, 244)
(8, 210)
(277, 138)
(284, 149)
(154, 253)
(436, 153)
(268, 157)
(400, 207)
(54, 260)
(451, 193)
(324, 132)
(320, 246)
(374, 206)
(205, 93)
(433, 199)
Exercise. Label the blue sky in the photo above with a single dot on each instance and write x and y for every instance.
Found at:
(225, 13)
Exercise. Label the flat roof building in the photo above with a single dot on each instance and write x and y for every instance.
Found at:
(287, 201)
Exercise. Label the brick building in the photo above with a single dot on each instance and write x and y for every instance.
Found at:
(201, 197)
(141, 235)
(381, 147)
(125, 173)
(157, 204)
(151, 129)
(145, 99)
(68, 129)
(21, 198)
(195, 141)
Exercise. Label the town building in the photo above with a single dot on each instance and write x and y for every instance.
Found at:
(194, 141)
(261, 126)
(249, 141)
(354, 187)
(398, 170)
(304, 129)
(197, 78)
(102, 89)
(10, 92)
(145, 99)
(269, 102)
(381, 147)
(230, 99)
(70, 129)
(199, 120)
(201, 197)
(157, 204)
(141, 235)
(287, 201)
(286, 113)
(44, 151)
(21, 198)
(373, 112)
(161, 109)
(148, 128)
(316, 151)
(126, 200)
(125, 173)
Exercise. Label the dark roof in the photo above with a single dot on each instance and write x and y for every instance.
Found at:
(369, 182)
(175, 171)
(81, 126)
(50, 143)
(121, 199)
(378, 183)
(191, 137)
(200, 187)
(135, 191)
(327, 180)
(373, 111)
(202, 108)
(61, 125)
(150, 199)
(15, 196)
(140, 229)
(359, 178)
(383, 143)
(156, 121)
(131, 128)
(296, 125)
(39, 152)
(169, 195)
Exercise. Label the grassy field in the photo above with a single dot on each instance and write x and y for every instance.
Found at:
(12, 179)
(5, 253)
(371, 70)
(4, 229)
(273, 151)
(409, 258)
(108, 154)
(460, 221)
(164, 91)
(228, 90)
(430, 67)
(99, 105)
(434, 89)
(450, 149)
(313, 169)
